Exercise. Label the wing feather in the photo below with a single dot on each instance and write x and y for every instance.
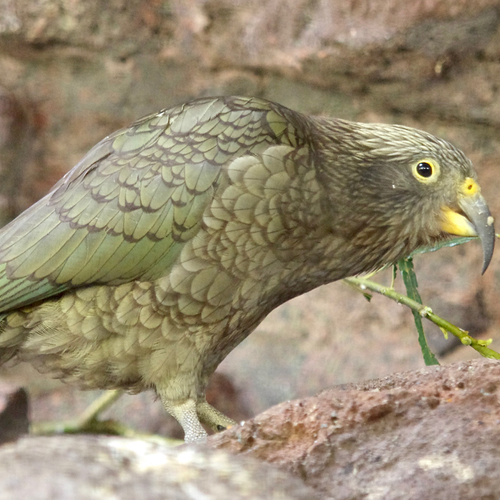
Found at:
(126, 210)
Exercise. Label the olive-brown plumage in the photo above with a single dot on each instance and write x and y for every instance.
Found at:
(171, 240)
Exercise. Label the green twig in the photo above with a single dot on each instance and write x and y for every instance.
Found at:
(481, 346)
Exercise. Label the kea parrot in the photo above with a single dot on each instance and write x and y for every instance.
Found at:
(171, 240)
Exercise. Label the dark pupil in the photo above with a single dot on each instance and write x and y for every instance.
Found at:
(424, 169)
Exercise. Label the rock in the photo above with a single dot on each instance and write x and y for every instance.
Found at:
(432, 433)
(101, 467)
(14, 420)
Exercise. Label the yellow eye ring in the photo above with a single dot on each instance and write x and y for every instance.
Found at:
(426, 171)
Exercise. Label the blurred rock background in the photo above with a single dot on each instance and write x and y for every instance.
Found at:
(72, 71)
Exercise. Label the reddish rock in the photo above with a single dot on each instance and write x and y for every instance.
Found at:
(432, 433)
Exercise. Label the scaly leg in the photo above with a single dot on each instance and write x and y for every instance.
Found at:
(185, 413)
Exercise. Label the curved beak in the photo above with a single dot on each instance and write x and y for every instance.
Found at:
(476, 219)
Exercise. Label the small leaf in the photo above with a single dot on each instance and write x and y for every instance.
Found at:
(394, 274)
(445, 332)
(444, 244)
(484, 343)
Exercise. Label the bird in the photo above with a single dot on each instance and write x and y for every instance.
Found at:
(172, 239)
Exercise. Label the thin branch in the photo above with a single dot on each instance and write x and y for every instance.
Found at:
(481, 346)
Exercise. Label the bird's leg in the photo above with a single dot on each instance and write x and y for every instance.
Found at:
(92, 412)
(87, 421)
(213, 417)
(185, 413)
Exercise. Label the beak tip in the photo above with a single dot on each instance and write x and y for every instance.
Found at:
(487, 254)
(488, 237)
(476, 209)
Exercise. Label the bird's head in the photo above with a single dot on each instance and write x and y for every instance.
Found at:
(394, 189)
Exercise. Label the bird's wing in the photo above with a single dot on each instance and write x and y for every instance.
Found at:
(125, 211)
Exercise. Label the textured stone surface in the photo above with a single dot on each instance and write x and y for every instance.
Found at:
(14, 420)
(432, 433)
(90, 467)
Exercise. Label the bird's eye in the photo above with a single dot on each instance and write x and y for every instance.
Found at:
(426, 171)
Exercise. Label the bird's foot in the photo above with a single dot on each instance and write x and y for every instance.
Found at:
(191, 414)
(213, 417)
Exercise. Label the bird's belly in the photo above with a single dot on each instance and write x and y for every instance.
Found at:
(123, 337)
